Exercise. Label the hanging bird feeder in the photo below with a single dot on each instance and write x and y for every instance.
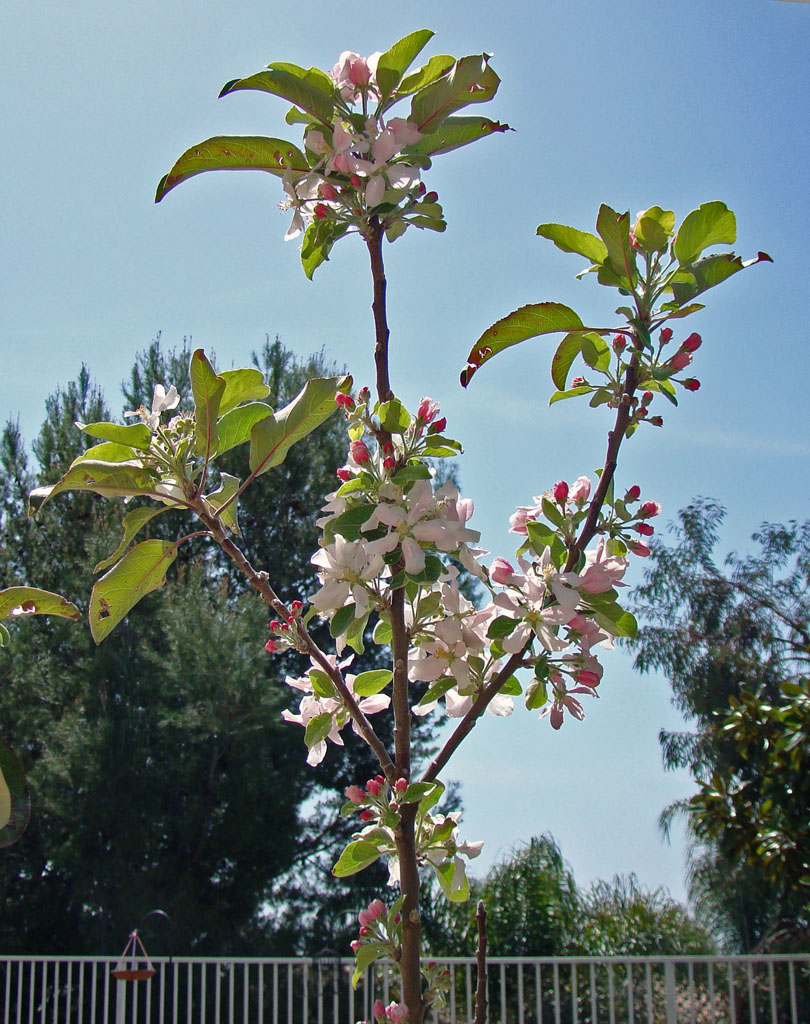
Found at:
(127, 968)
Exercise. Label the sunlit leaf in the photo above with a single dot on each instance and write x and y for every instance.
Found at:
(135, 435)
(455, 132)
(288, 82)
(140, 571)
(470, 80)
(236, 153)
(207, 388)
(271, 438)
(527, 322)
(393, 64)
(109, 479)
(228, 487)
(243, 385)
(235, 426)
(15, 805)
(711, 224)
(572, 240)
(22, 601)
(355, 857)
(132, 523)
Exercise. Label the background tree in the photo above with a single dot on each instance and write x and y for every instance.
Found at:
(534, 908)
(162, 774)
(734, 644)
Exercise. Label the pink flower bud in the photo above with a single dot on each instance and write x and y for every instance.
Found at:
(365, 930)
(421, 188)
(377, 909)
(327, 191)
(666, 335)
(359, 452)
(577, 382)
(638, 548)
(692, 343)
(650, 509)
(580, 490)
(355, 944)
(401, 785)
(373, 787)
(691, 384)
(501, 571)
(646, 398)
(344, 401)
(359, 72)
(321, 211)
(366, 815)
(431, 197)
(389, 462)
(379, 1010)
(560, 491)
(344, 473)
(656, 421)
(680, 360)
(619, 343)
(388, 448)
(355, 794)
(588, 678)
(644, 529)
(438, 425)
(275, 625)
(428, 410)
(271, 647)
(296, 607)
(363, 394)
(633, 493)
(285, 627)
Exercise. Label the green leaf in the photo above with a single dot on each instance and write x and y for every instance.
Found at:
(560, 396)
(365, 956)
(710, 224)
(572, 240)
(290, 83)
(527, 322)
(429, 800)
(500, 627)
(355, 857)
(235, 153)
(235, 426)
(394, 417)
(708, 272)
(617, 621)
(536, 694)
(454, 133)
(414, 471)
(470, 80)
(614, 230)
(228, 487)
(271, 438)
(134, 435)
(654, 228)
(322, 685)
(15, 804)
(595, 352)
(241, 385)
(511, 687)
(109, 479)
(428, 73)
(319, 238)
(109, 451)
(21, 601)
(132, 522)
(393, 64)
(540, 536)
(348, 523)
(341, 620)
(367, 684)
(318, 728)
(383, 634)
(455, 892)
(207, 388)
(566, 353)
(140, 571)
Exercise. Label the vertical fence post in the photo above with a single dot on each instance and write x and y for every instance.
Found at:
(669, 982)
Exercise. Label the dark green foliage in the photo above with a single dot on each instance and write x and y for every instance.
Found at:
(733, 642)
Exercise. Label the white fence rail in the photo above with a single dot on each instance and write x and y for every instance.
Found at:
(528, 990)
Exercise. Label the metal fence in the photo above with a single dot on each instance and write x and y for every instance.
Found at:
(527, 990)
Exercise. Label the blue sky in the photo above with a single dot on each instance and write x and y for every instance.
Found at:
(634, 104)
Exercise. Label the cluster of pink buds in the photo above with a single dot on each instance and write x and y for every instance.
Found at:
(284, 633)
(381, 927)
(377, 798)
(426, 416)
(394, 1013)
(577, 494)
